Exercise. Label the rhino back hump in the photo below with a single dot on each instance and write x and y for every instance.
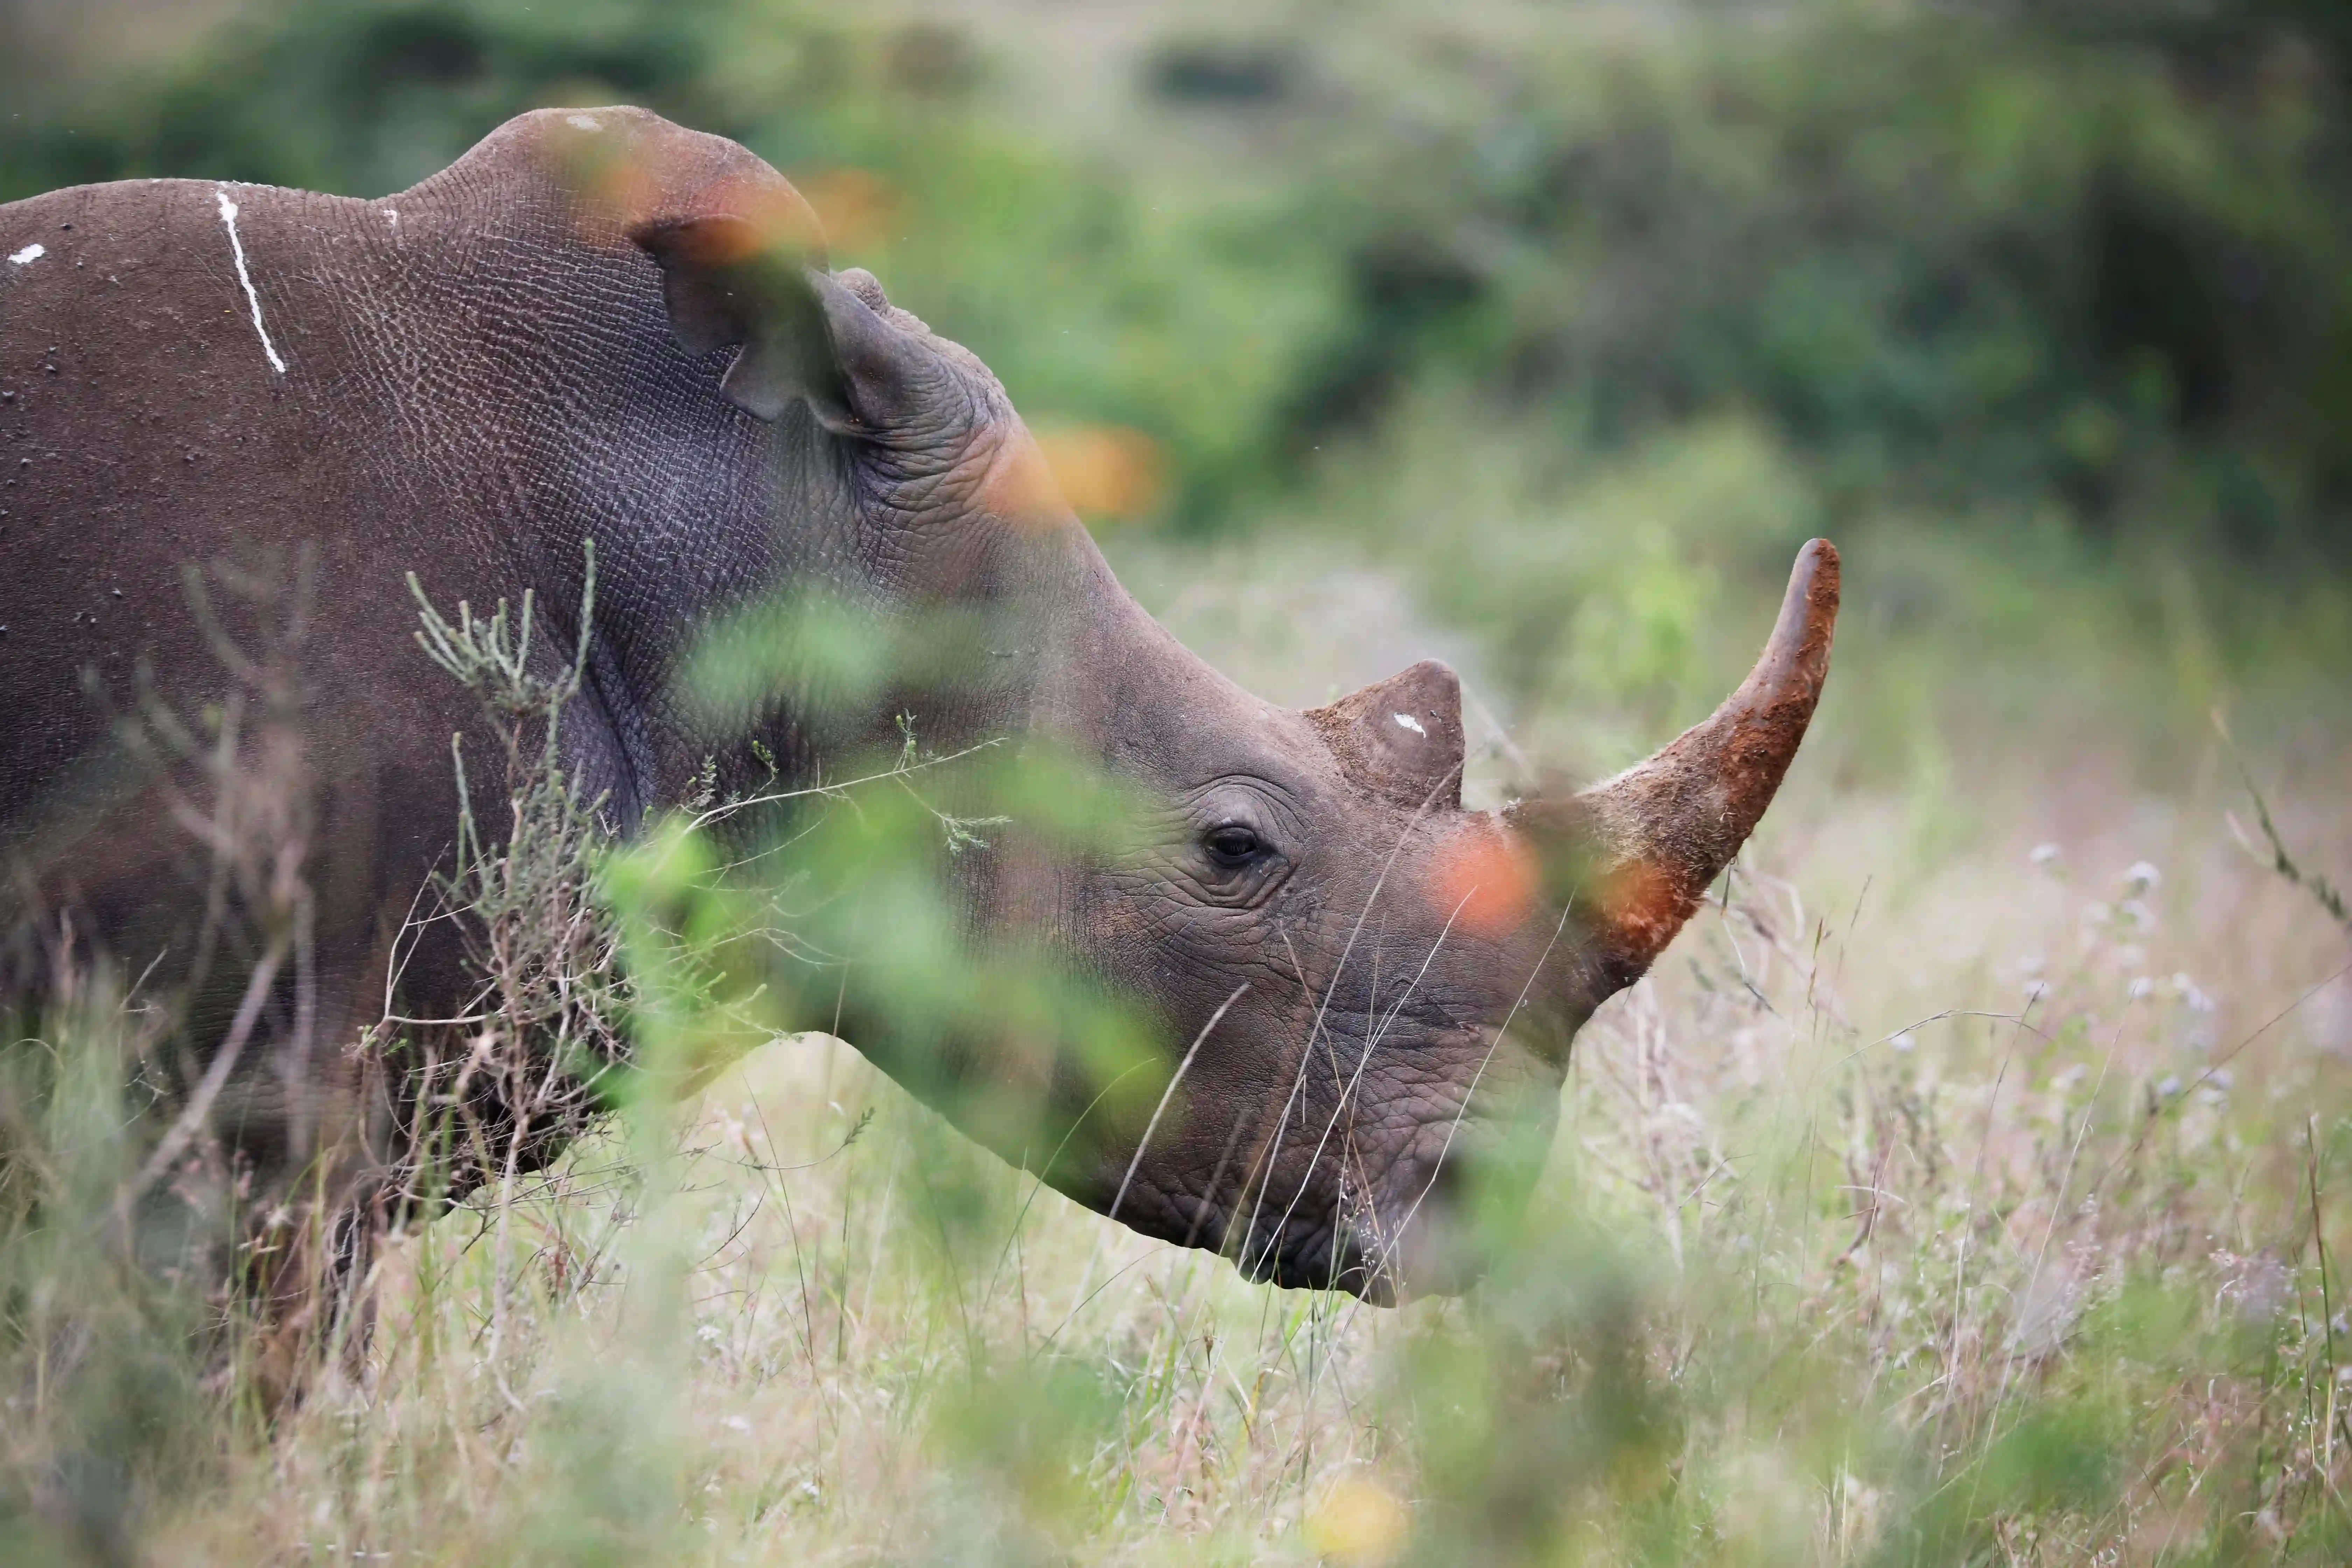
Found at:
(464, 380)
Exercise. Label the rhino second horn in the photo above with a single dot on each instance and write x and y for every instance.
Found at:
(1400, 738)
(1639, 850)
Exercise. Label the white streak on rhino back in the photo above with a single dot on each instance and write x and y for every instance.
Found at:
(236, 249)
(29, 255)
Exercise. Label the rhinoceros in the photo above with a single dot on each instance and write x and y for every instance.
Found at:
(598, 326)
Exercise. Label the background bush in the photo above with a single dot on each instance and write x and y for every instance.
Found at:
(2090, 261)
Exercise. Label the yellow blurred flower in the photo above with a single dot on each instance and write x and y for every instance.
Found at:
(1359, 1522)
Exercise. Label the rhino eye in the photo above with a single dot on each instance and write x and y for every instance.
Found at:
(1232, 846)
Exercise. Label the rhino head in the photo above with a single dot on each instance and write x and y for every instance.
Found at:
(1362, 993)
(1376, 989)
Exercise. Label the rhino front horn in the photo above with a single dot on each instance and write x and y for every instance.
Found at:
(1632, 855)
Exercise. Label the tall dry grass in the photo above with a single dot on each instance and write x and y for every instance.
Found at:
(1946, 1195)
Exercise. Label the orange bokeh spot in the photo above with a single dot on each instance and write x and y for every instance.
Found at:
(777, 219)
(1485, 880)
(616, 192)
(623, 186)
(1103, 470)
(858, 207)
(1021, 490)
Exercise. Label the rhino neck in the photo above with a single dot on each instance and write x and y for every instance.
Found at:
(1115, 683)
(979, 622)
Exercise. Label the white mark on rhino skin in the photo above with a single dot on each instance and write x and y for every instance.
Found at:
(392, 216)
(29, 255)
(584, 123)
(236, 249)
(1407, 722)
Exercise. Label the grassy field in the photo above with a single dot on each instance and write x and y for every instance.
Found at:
(1962, 1188)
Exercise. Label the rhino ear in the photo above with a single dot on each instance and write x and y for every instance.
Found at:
(883, 368)
(1401, 738)
(801, 333)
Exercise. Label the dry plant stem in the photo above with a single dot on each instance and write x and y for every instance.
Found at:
(1568, 908)
(191, 1120)
(1153, 1126)
(2324, 893)
(2336, 1416)
(548, 1013)
(1269, 1156)
(1968, 1229)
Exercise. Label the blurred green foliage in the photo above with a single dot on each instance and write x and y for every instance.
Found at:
(354, 97)
(2032, 257)
(2085, 260)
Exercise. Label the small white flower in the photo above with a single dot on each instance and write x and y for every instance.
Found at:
(736, 1424)
(1902, 1041)
(2139, 988)
(2137, 911)
(711, 1333)
(2046, 853)
(2192, 995)
(2142, 876)
(2220, 1078)
(2035, 990)
(2170, 1086)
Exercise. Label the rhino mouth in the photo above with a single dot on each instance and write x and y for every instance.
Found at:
(1291, 1245)
(1408, 1242)
(1382, 1258)
(1377, 1210)
(1349, 1258)
(1369, 1190)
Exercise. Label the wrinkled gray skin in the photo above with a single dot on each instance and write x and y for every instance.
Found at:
(597, 325)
